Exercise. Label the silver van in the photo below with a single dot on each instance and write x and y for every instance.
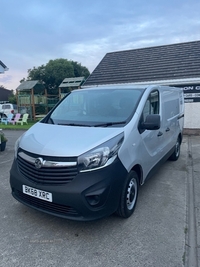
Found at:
(87, 158)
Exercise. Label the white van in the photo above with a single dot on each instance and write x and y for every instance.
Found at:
(6, 109)
(87, 158)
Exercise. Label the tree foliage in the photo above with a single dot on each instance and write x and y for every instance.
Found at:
(12, 99)
(55, 71)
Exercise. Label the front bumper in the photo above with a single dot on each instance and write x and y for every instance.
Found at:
(91, 195)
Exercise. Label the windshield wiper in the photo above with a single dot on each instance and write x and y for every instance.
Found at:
(106, 124)
(74, 124)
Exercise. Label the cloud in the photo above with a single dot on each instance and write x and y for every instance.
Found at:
(33, 32)
(5, 78)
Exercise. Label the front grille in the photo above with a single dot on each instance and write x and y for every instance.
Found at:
(45, 175)
(46, 206)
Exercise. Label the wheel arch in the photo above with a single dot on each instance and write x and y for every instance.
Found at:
(138, 169)
(180, 136)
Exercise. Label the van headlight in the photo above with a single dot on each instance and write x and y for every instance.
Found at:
(100, 156)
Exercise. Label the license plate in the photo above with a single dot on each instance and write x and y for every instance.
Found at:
(37, 193)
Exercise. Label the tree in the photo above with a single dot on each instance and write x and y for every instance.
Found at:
(55, 71)
(12, 99)
(79, 70)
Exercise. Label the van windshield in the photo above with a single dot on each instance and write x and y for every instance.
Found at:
(98, 108)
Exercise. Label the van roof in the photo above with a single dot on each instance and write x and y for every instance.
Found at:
(116, 86)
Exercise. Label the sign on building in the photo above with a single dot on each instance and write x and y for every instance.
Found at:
(191, 92)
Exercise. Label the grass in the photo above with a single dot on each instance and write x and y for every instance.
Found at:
(17, 126)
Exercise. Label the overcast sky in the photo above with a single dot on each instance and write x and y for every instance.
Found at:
(34, 31)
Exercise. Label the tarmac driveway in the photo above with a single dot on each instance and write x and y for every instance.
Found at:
(162, 231)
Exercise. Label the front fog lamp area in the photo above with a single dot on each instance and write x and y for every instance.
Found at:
(100, 156)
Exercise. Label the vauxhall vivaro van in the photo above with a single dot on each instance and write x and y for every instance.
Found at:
(87, 158)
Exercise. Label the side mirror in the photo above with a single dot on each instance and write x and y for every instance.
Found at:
(152, 122)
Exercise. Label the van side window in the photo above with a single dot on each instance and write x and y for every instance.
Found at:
(151, 107)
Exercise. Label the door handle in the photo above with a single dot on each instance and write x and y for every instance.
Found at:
(160, 133)
(167, 130)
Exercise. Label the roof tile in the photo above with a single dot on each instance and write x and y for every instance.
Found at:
(175, 61)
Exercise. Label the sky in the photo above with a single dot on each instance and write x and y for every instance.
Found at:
(32, 32)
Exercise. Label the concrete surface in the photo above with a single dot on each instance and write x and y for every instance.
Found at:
(163, 231)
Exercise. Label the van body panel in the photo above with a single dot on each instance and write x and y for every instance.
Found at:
(144, 149)
(99, 140)
(148, 148)
(44, 139)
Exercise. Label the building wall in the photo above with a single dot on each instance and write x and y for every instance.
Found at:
(192, 115)
(4, 94)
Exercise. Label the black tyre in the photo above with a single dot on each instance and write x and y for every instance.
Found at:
(176, 152)
(129, 195)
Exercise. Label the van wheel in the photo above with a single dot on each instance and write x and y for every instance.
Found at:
(176, 152)
(129, 195)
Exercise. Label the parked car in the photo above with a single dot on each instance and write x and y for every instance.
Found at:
(87, 158)
(6, 109)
